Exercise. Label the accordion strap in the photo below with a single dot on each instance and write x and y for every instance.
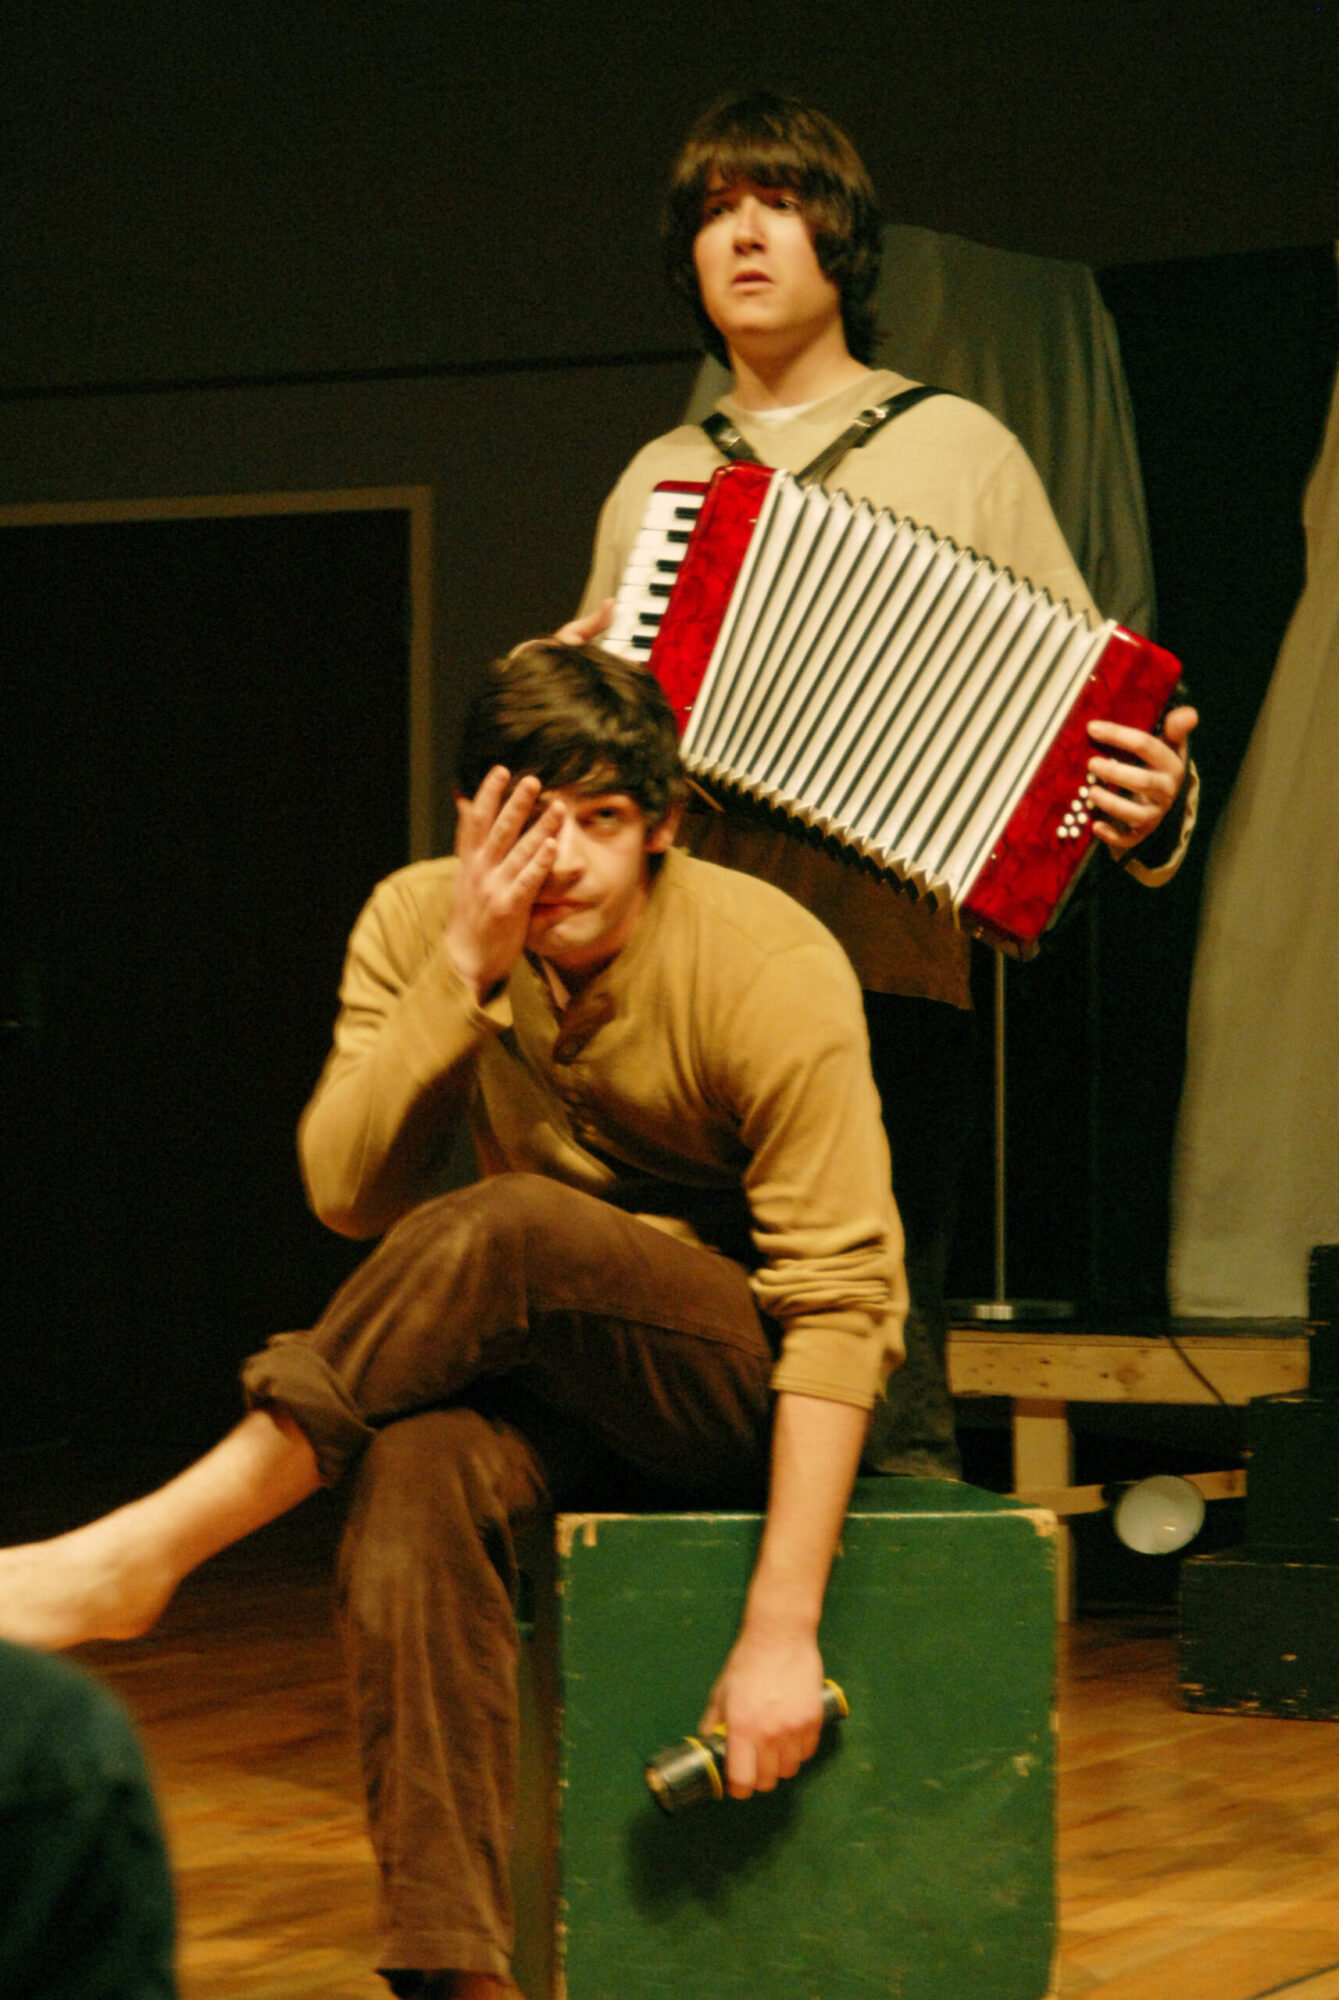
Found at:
(732, 445)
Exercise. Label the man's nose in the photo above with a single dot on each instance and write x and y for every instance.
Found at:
(565, 860)
(749, 226)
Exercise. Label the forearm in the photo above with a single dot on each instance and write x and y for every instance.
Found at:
(816, 1448)
(397, 1084)
(770, 1690)
(369, 1141)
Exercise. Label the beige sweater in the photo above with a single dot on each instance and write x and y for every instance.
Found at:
(715, 1079)
(946, 464)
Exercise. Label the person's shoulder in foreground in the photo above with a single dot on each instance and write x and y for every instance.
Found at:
(88, 1891)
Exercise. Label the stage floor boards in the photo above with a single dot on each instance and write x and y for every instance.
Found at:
(1199, 1854)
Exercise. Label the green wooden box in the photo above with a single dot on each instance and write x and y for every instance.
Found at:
(912, 1858)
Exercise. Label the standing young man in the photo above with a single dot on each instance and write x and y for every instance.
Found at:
(683, 1262)
(772, 236)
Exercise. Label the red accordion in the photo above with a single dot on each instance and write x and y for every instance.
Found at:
(882, 689)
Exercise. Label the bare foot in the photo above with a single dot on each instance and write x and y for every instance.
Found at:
(98, 1582)
(111, 1579)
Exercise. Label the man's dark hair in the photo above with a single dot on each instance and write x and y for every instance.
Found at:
(779, 142)
(574, 715)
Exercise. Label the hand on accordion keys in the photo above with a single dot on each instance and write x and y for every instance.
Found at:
(581, 631)
(1141, 780)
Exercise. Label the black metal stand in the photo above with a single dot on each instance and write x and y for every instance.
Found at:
(1001, 1309)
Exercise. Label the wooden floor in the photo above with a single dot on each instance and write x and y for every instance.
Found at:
(1199, 1855)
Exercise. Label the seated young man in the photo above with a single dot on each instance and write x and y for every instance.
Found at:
(683, 1259)
(772, 237)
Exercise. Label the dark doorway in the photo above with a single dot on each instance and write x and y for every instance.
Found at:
(204, 772)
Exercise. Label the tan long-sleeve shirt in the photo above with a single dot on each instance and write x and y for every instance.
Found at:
(714, 1078)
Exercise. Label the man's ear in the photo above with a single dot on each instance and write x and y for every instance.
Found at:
(664, 834)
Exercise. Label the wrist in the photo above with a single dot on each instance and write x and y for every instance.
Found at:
(474, 975)
(780, 1611)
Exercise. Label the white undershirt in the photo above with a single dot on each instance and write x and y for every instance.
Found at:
(777, 417)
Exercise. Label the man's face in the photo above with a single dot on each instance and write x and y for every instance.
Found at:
(757, 269)
(595, 892)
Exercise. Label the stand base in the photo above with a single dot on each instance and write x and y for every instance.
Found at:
(1005, 1312)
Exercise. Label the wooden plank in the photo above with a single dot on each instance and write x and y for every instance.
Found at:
(1067, 1500)
(1102, 1368)
(1044, 1457)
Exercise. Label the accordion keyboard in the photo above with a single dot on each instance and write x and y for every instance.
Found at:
(652, 566)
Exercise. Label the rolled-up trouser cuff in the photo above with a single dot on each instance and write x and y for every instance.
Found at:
(290, 1375)
(443, 1951)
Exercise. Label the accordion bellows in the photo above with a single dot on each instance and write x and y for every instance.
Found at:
(882, 689)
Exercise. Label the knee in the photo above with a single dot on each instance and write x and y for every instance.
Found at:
(432, 1504)
(504, 1216)
(530, 1208)
(425, 1476)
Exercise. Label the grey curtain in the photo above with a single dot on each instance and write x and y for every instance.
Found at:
(1257, 1162)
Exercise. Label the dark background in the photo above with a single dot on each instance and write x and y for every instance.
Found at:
(247, 250)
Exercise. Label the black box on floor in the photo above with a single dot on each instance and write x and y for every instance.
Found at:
(1260, 1634)
(1292, 1473)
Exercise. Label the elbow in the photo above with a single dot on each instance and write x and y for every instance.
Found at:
(347, 1210)
(333, 1180)
(348, 1219)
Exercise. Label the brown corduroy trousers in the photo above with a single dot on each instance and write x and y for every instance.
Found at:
(506, 1349)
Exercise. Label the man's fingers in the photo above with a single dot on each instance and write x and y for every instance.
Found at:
(516, 856)
(529, 870)
(1178, 724)
(1155, 775)
(743, 1772)
(789, 1757)
(510, 816)
(1129, 802)
(475, 817)
(519, 870)
(759, 1763)
(1120, 736)
(1139, 778)
(580, 631)
(492, 791)
(1164, 753)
